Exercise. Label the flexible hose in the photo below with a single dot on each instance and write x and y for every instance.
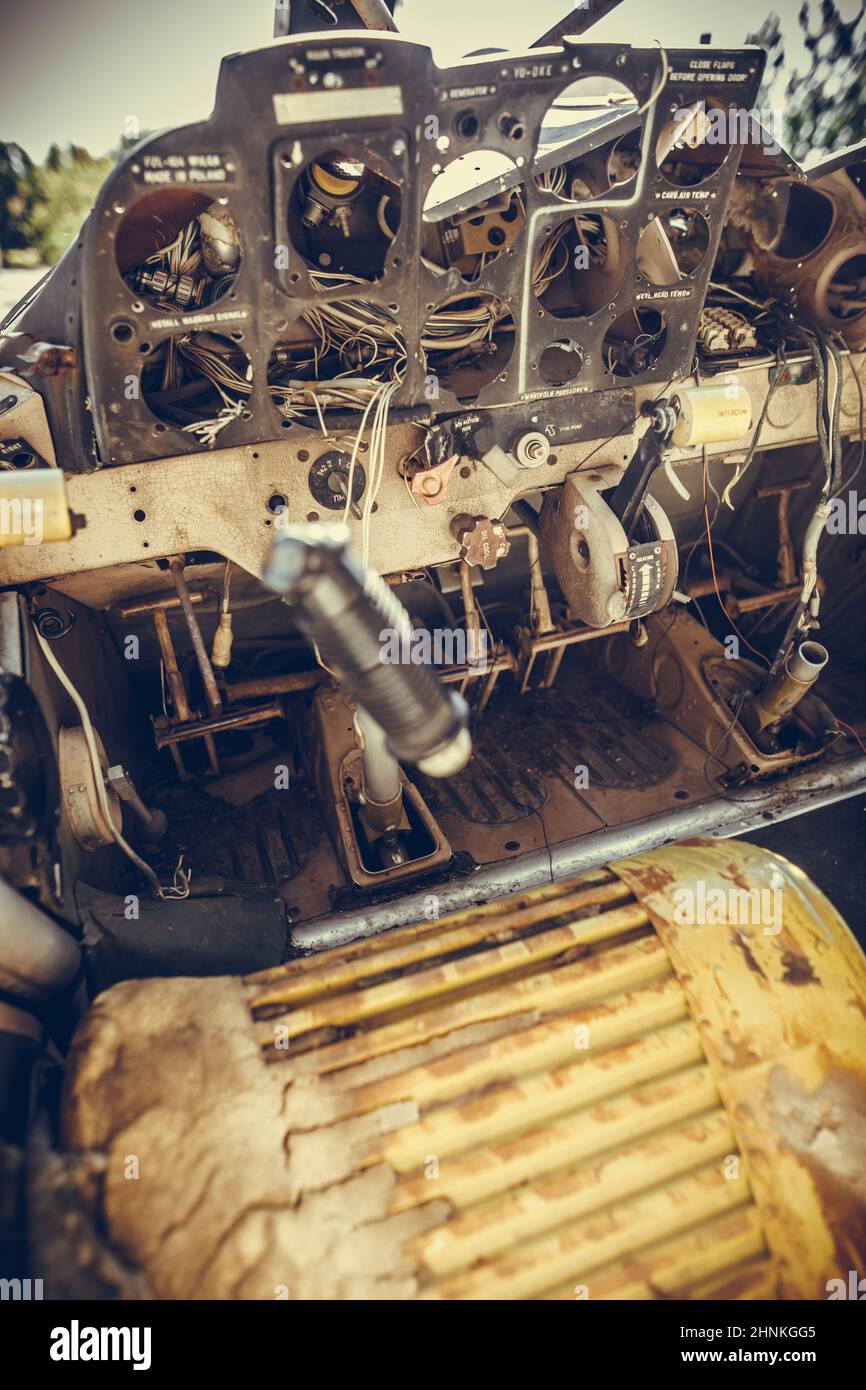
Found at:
(362, 634)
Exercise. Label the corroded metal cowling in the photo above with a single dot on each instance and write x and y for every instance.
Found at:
(648, 1082)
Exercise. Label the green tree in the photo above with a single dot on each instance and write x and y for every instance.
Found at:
(43, 206)
(65, 190)
(17, 194)
(825, 106)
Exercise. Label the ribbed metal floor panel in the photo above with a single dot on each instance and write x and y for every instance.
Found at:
(530, 1074)
(522, 742)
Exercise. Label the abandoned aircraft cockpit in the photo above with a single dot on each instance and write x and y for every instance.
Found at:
(422, 489)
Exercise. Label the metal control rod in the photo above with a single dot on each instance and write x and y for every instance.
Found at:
(208, 679)
(630, 492)
(348, 613)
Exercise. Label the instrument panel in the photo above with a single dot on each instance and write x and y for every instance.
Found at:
(356, 230)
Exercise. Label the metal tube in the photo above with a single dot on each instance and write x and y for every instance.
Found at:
(160, 602)
(380, 770)
(216, 724)
(180, 701)
(807, 662)
(540, 602)
(275, 685)
(473, 619)
(784, 691)
(577, 21)
(349, 614)
(179, 698)
(211, 689)
(375, 14)
(37, 958)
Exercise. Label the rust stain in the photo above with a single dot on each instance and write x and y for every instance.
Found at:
(797, 969)
(650, 878)
(741, 941)
(48, 359)
(737, 876)
(738, 1053)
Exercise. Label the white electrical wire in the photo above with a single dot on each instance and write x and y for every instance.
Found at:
(657, 91)
(180, 874)
(351, 478)
(378, 455)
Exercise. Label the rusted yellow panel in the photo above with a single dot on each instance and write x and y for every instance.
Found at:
(594, 977)
(550, 1044)
(451, 976)
(777, 986)
(576, 1250)
(549, 1203)
(405, 945)
(726, 1251)
(490, 1118)
(482, 1173)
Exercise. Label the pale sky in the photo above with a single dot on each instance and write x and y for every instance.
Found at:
(78, 70)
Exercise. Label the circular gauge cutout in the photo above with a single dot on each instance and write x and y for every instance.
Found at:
(696, 141)
(634, 341)
(473, 212)
(807, 216)
(336, 358)
(623, 160)
(178, 250)
(560, 363)
(577, 267)
(467, 341)
(198, 382)
(672, 246)
(343, 215)
(591, 131)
